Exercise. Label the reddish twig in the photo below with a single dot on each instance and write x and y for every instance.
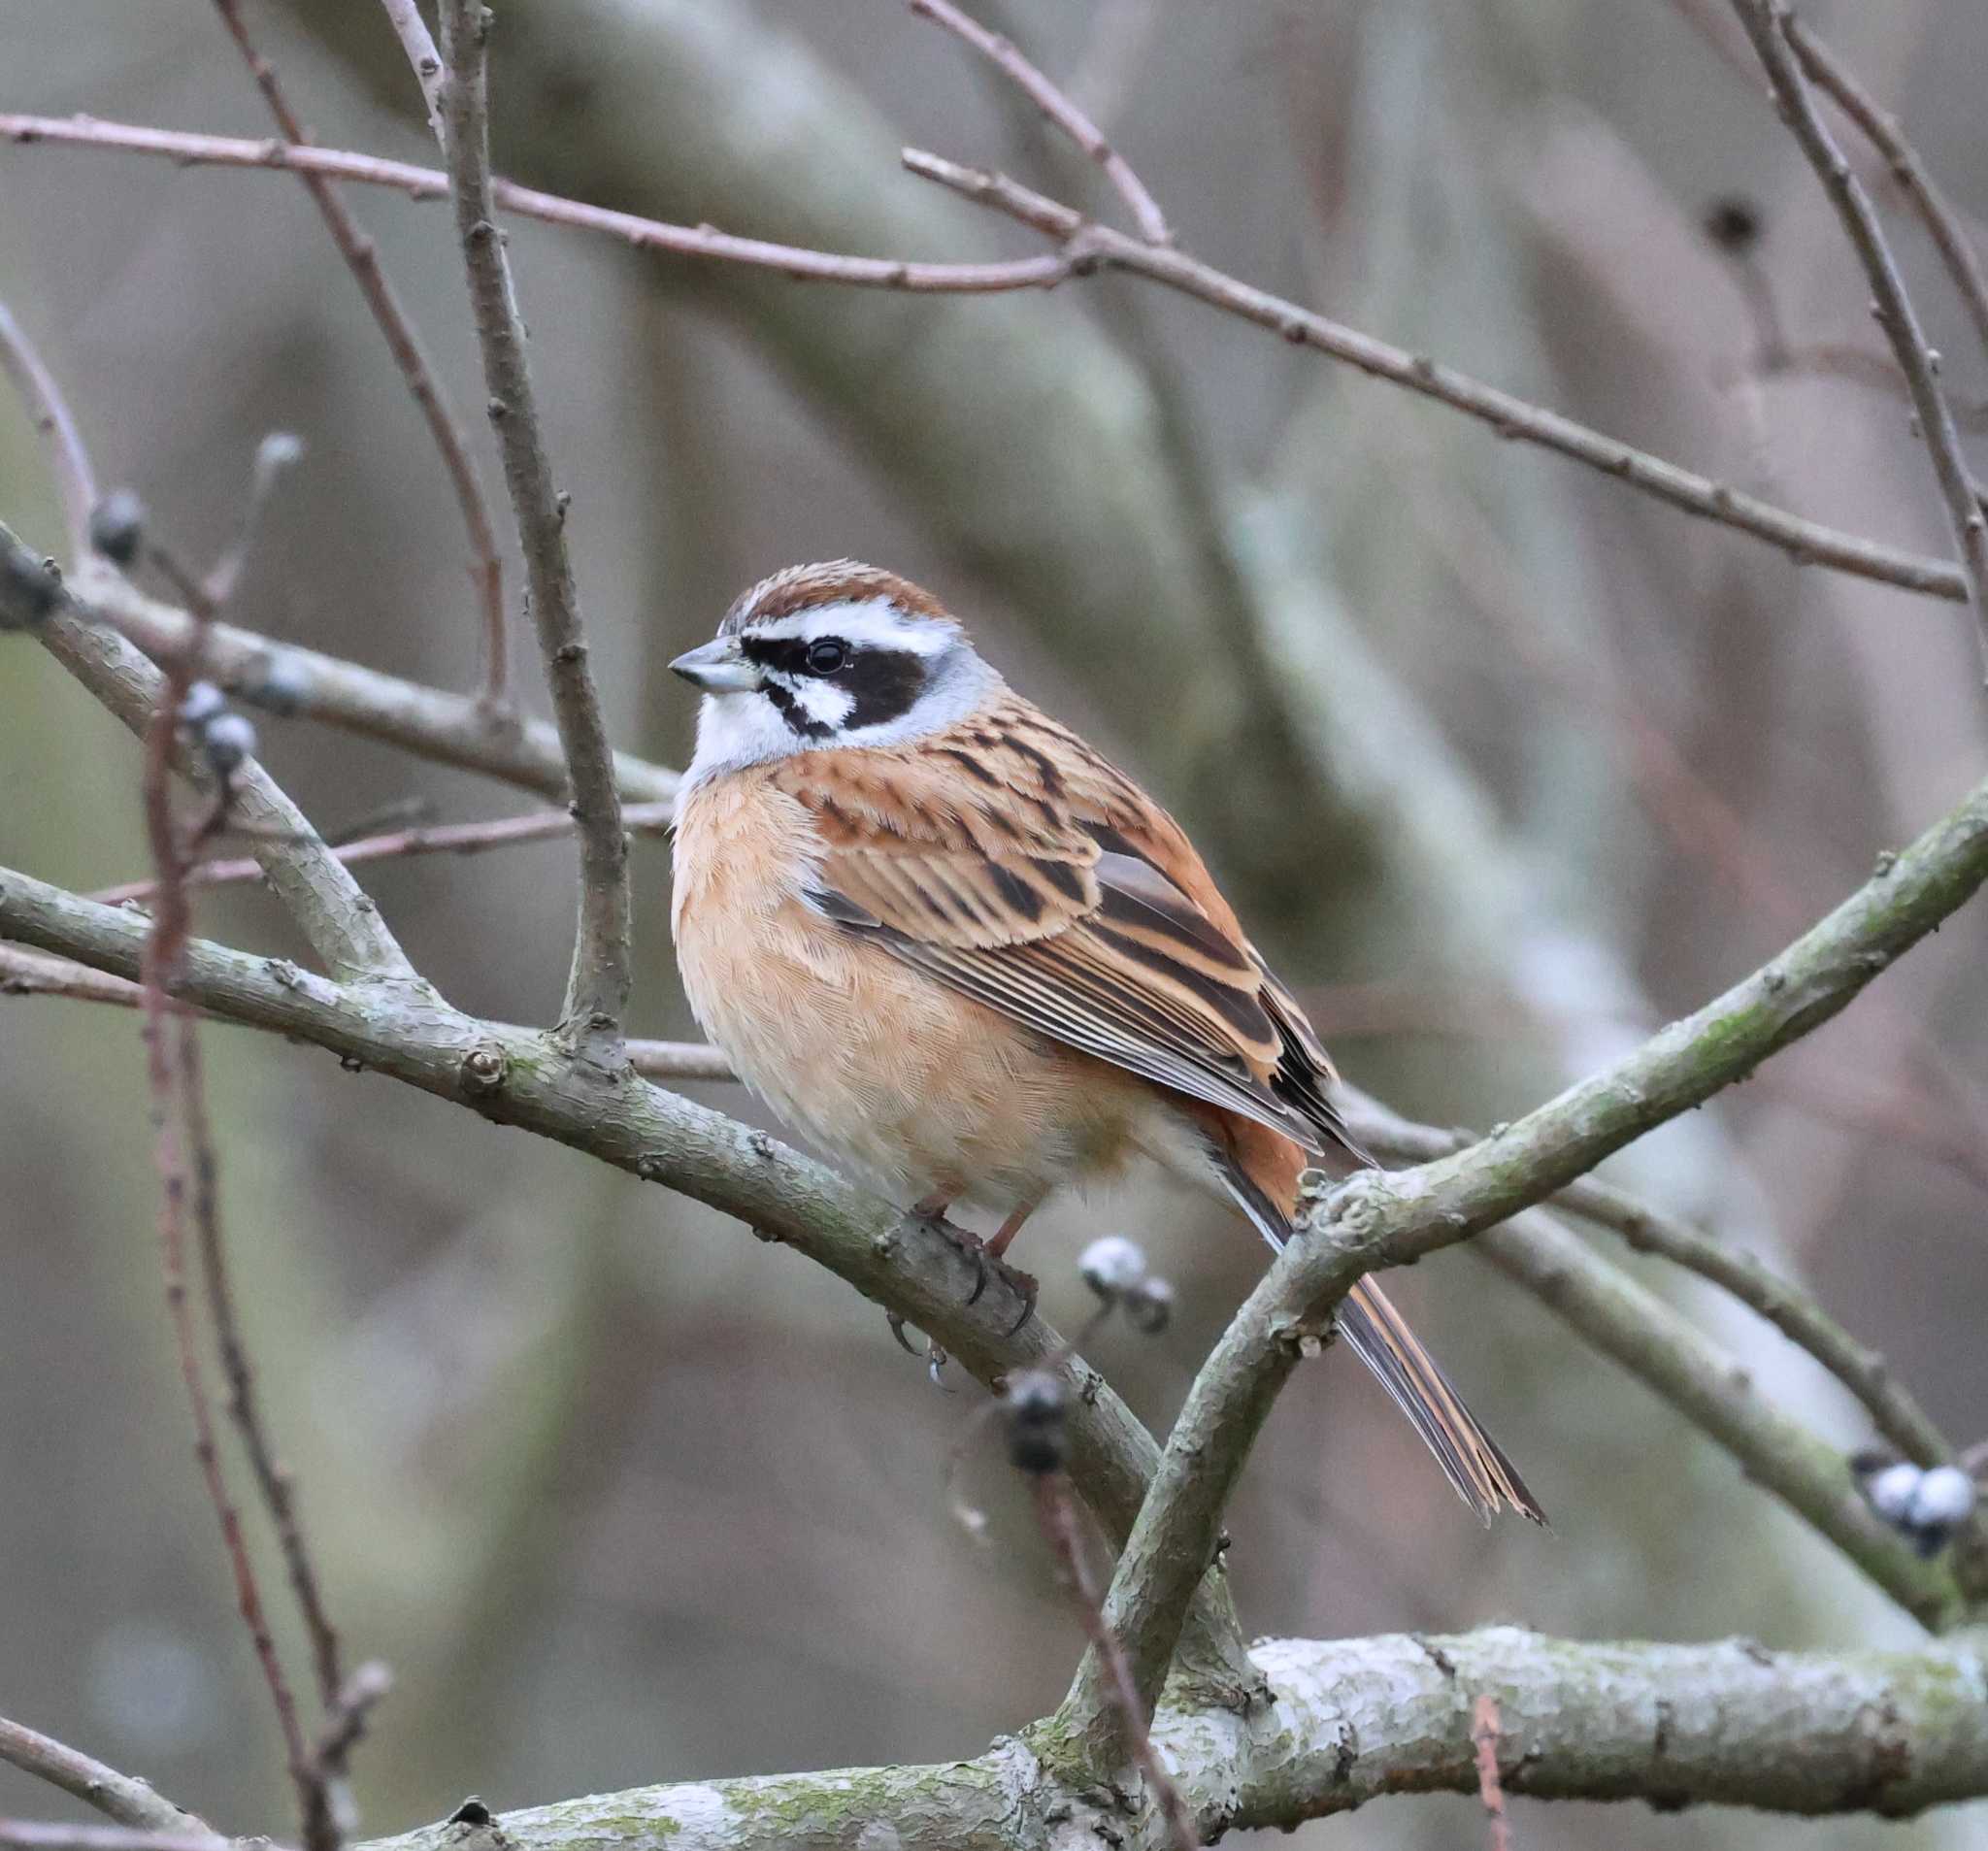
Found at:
(795, 261)
(1882, 131)
(1056, 1511)
(434, 839)
(38, 391)
(601, 975)
(174, 1126)
(1060, 108)
(1806, 541)
(1486, 1729)
(362, 258)
(272, 1478)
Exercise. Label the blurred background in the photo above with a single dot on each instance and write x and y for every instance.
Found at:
(1503, 763)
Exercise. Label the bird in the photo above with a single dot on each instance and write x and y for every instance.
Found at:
(942, 937)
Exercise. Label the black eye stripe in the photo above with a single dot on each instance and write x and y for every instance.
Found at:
(882, 683)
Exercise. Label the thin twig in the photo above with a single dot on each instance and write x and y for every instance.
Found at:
(1767, 24)
(598, 986)
(362, 258)
(342, 925)
(1056, 1512)
(796, 261)
(1060, 108)
(434, 839)
(1485, 1730)
(99, 612)
(174, 1130)
(1893, 1410)
(32, 974)
(37, 1834)
(1806, 541)
(416, 41)
(124, 1798)
(1882, 131)
(38, 391)
(272, 1478)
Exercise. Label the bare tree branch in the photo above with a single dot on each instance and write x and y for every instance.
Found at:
(1892, 1408)
(122, 1797)
(428, 838)
(416, 41)
(340, 922)
(36, 388)
(404, 343)
(1882, 131)
(35, 1835)
(1806, 541)
(597, 988)
(1059, 109)
(1354, 1720)
(796, 261)
(502, 1073)
(94, 611)
(1390, 1218)
(1767, 24)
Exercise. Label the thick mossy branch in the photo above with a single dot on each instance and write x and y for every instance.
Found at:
(1729, 1724)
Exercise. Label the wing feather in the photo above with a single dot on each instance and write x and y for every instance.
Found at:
(1005, 859)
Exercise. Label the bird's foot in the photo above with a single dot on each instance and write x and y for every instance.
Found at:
(985, 1258)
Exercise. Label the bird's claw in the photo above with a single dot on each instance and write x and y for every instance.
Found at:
(935, 1356)
(1025, 1286)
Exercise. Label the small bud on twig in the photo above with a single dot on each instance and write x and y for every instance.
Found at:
(1111, 1266)
(1150, 1304)
(116, 526)
(1925, 1505)
(1034, 1408)
(227, 739)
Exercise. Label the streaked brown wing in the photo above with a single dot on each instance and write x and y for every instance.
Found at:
(1006, 861)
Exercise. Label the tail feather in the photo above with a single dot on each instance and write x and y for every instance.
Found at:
(1472, 1462)
(1471, 1459)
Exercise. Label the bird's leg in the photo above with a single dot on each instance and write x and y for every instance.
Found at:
(1023, 1284)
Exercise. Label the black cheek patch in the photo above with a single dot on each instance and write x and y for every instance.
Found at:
(884, 685)
(789, 710)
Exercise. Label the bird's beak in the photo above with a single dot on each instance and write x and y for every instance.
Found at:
(717, 667)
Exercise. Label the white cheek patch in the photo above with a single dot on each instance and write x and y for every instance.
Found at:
(819, 700)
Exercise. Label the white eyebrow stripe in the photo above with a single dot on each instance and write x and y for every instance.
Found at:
(874, 622)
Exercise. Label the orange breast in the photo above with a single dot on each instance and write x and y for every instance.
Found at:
(921, 1089)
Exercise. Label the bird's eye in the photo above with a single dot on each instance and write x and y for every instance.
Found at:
(826, 655)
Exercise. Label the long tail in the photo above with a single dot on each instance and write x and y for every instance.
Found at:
(1472, 1461)
(1252, 1167)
